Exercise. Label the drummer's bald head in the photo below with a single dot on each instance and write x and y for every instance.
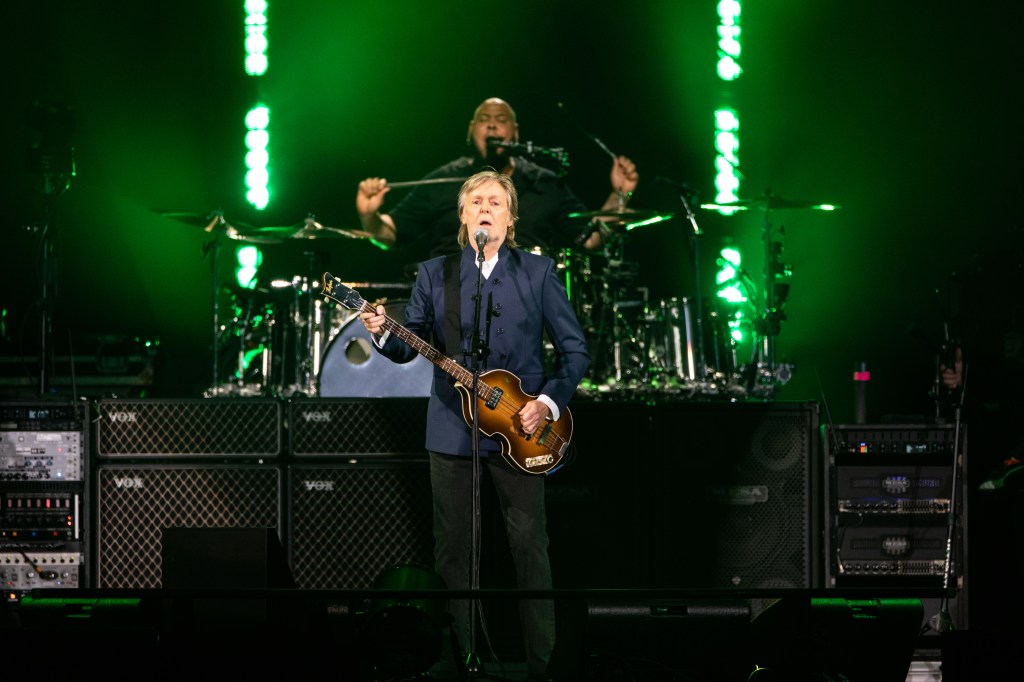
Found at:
(495, 101)
(493, 118)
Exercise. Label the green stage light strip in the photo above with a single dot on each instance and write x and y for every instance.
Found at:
(727, 120)
(257, 119)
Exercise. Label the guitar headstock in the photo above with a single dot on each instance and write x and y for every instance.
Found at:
(336, 290)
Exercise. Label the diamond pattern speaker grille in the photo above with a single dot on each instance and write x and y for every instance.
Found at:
(383, 426)
(350, 522)
(219, 427)
(136, 502)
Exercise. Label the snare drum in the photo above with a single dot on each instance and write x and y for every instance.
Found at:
(352, 368)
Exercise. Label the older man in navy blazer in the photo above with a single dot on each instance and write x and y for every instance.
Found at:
(521, 300)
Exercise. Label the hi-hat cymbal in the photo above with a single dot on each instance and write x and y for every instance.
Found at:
(770, 203)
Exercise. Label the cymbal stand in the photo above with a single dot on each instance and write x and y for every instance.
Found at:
(213, 247)
(700, 369)
(768, 326)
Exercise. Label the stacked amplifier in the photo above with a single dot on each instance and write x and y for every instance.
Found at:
(898, 514)
(44, 496)
(341, 484)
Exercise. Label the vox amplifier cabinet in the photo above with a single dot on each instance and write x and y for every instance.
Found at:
(348, 522)
(136, 502)
(216, 427)
(44, 508)
(345, 427)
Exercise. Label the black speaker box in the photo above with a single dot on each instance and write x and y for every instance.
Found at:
(349, 522)
(221, 427)
(221, 562)
(137, 502)
(223, 558)
(736, 496)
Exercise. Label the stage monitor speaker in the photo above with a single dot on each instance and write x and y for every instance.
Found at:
(224, 563)
(868, 640)
(737, 490)
(223, 558)
(137, 502)
(349, 522)
(349, 427)
(219, 427)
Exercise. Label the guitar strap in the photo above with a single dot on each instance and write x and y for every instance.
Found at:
(452, 306)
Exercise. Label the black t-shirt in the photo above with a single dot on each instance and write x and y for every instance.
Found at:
(427, 218)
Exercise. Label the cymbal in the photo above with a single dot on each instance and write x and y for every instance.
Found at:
(770, 203)
(626, 215)
(310, 229)
(626, 219)
(216, 224)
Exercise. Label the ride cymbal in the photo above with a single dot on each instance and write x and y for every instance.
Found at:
(628, 218)
(770, 203)
(311, 229)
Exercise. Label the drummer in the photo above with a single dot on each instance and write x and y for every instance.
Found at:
(428, 216)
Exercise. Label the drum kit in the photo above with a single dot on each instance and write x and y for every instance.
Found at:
(282, 339)
(691, 346)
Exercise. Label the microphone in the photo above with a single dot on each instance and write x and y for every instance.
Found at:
(480, 237)
(529, 149)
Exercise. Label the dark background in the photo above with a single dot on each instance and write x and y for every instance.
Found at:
(901, 113)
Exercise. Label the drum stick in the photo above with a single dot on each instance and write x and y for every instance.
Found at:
(429, 181)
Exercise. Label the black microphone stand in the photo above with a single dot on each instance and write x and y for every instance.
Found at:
(941, 621)
(478, 353)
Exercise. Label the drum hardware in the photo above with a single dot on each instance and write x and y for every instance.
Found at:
(763, 373)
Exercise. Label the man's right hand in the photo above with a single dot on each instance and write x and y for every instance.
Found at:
(370, 196)
(369, 199)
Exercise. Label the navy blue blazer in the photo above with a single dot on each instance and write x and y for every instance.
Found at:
(530, 299)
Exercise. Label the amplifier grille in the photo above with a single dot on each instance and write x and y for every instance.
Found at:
(384, 426)
(219, 427)
(350, 522)
(136, 502)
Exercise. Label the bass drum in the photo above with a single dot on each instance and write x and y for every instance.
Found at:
(352, 368)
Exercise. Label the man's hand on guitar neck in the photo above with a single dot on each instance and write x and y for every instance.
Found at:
(374, 322)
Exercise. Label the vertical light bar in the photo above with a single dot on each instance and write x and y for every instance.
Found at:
(257, 119)
(727, 120)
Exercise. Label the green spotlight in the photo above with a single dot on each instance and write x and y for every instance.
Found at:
(256, 37)
(257, 140)
(727, 122)
(248, 260)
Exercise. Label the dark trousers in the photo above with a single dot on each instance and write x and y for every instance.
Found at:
(521, 497)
